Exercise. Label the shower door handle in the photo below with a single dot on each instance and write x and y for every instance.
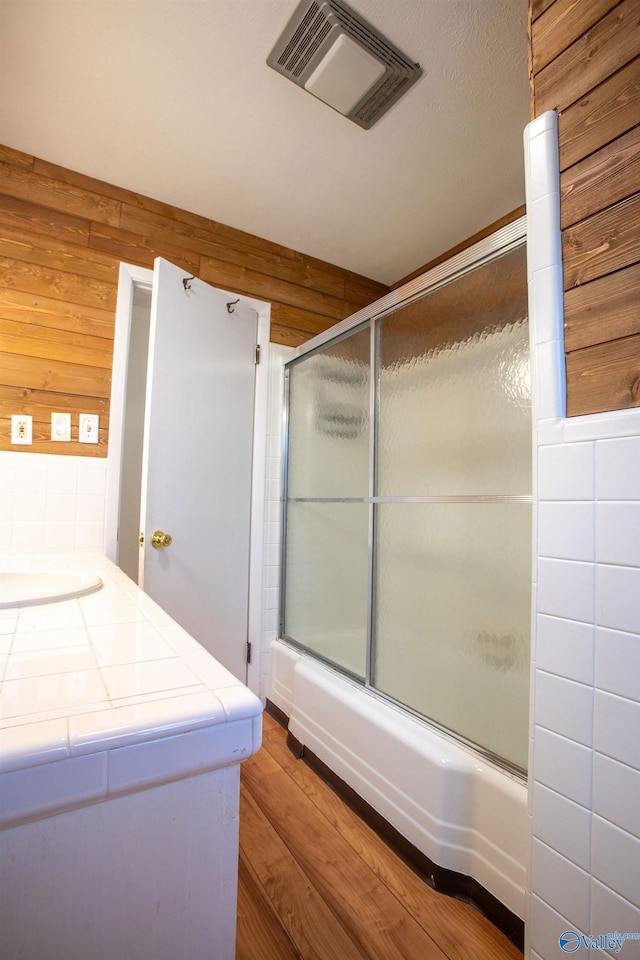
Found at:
(160, 539)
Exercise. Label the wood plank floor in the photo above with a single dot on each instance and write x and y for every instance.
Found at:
(316, 883)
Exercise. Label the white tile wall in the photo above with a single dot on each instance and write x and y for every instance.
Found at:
(585, 766)
(51, 502)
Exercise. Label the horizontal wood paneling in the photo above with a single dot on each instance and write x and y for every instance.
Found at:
(604, 373)
(538, 7)
(560, 25)
(62, 238)
(603, 310)
(605, 242)
(26, 307)
(36, 188)
(586, 64)
(602, 179)
(613, 42)
(600, 116)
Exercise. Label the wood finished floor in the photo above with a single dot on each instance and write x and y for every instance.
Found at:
(316, 883)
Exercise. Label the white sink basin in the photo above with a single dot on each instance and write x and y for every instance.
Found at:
(24, 589)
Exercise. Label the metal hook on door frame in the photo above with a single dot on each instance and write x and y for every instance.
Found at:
(231, 305)
(186, 282)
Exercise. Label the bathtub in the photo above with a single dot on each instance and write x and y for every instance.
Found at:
(460, 811)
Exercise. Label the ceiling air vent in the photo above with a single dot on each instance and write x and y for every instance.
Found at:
(337, 56)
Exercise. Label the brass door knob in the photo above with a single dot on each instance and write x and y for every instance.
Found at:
(160, 539)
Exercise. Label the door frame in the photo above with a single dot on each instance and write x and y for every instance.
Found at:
(132, 277)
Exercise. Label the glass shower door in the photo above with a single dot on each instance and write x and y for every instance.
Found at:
(407, 536)
(326, 592)
(453, 507)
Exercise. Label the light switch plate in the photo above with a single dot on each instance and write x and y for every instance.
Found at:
(61, 426)
(89, 423)
(21, 429)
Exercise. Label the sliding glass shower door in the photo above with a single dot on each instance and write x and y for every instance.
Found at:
(408, 505)
(327, 518)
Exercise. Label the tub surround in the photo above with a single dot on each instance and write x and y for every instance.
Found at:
(120, 745)
(455, 808)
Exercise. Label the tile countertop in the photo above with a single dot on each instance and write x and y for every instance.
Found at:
(105, 695)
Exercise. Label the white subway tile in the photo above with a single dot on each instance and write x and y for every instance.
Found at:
(27, 536)
(561, 883)
(149, 676)
(29, 507)
(617, 722)
(29, 477)
(6, 534)
(611, 913)
(603, 426)
(89, 536)
(563, 825)
(566, 648)
(60, 508)
(616, 793)
(271, 554)
(38, 663)
(273, 511)
(618, 533)
(547, 297)
(617, 663)
(547, 926)
(274, 470)
(566, 531)
(62, 480)
(618, 597)
(272, 533)
(550, 393)
(544, 248)
(564, 707)
(55, 692)
(143, 721)
(119, 643)
(566, 472)
(615, 859)
(90, 509)
(171, 758)
(549, 432)
(92, 479)
(618, 469)
(31, 744)
(563, 765)
(59, 536)
(52, 786)
(566, 589)
(6, 506)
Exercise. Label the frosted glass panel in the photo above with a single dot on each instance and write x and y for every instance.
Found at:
(455, 395)
(329, 421)
(327, 580)
(453, 617)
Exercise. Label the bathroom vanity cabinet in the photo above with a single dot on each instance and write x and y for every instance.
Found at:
(120, 748)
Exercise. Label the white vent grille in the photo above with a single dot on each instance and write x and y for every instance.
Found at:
(311, 33)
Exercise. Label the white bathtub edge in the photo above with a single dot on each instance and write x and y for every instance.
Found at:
(460, 811)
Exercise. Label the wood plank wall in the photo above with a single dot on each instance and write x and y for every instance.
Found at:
(585, 63)
(62, 237)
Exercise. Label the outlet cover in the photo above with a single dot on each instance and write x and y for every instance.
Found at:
(61, 426)
(89, 423)
(21, 429)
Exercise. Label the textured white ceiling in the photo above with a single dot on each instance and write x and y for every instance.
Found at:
(173, 99)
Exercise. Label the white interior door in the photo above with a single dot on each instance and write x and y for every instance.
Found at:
(197, 460)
